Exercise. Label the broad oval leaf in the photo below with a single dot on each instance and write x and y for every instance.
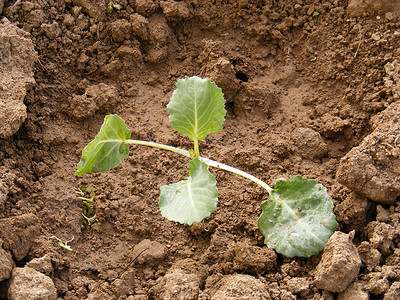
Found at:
(297, 219)
(191, 200)
(108, 149)
(197, 107)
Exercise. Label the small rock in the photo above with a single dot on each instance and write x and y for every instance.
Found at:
(375, 37)
(370, 169)
(380, 235)
(356, 8)
(3, 194)
(139, 26)
(35, 17)
(175, 11)
(253, 259)
(353, 211)
(100, 97)
(394, 292)
(379, 282)
(292, 269)
(52, 30)
(339, 265)
(390, 16)
(68, 20)
(42, 264)
(159, 31)
(92, 8)
(16, 68)
(82, 59)
(370, 256)
(18, 234)
(6, 264)
(27, 283)
(355, 291)
(177, 285)
(298, 285)
(121, 30)
(82, 22)
(1, 6)
(298, 7)
(308, 143)
(330, 125)
(222, 73)
(239, 287)
(126, 284)
(143, 7)
(149, 253)
(76, 10)
(132, 53)
(382, 215)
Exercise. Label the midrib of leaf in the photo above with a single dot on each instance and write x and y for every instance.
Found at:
(196, 120)
(205, 123)
(298, 219)
(189, 183)
(104, 141)
(187, 119)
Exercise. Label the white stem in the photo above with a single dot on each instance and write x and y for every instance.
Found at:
(207, 161)
(228, 168)
(161, 146)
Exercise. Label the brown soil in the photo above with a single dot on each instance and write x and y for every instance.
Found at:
(304, 82)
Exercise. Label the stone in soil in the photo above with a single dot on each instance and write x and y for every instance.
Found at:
(28, 284)
(18, 234)
(253, 259)
(308, 143)
(149, 253)
(357, 8)
(378, 282)
(394, 292)
(372, 169)
(42, 264)
(354, 291)
(177, 285)
(17, 59)
(100, 97)
(339, 265)
(239, 286)
(6, 264)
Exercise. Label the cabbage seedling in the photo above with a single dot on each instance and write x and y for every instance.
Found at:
(297, 218)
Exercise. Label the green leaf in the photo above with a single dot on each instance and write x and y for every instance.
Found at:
(297, 219)
(197, 107)
(191, 200)
(108, 149)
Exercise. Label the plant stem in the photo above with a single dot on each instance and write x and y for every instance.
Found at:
(207, 161)
(161, 146)
(228, 168)
(196, 148)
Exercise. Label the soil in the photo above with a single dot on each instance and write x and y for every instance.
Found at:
(312, 88)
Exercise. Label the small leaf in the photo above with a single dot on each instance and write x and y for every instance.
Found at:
(191, 200)
(197, 107)
(297, 219)
(117, 6)
(108, 149)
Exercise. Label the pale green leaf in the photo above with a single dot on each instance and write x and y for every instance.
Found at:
(197, 107)
(191, 200)
(108, 149)
(297, 219)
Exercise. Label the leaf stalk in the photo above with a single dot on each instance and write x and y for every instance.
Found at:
(207, 161)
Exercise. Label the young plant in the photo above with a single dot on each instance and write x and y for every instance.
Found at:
(297, 218)
(88, 214)
(62, 243)
(111, 6)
